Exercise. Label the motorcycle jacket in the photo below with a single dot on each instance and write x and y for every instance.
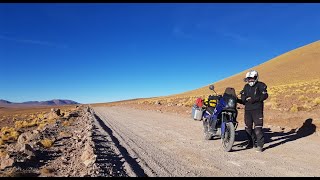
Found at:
(258, 94)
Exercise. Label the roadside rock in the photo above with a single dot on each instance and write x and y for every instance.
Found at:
(157, 103)
(69, 115)
(64, 135)
(88, 157)
(24, 138)
(73, 114)
(55, 113)
(170, 104)
(6, 162)
(28, 150)
(10, 148)
(35, 132)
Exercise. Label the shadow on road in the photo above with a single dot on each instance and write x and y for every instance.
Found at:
(130, 160)
(305, 130)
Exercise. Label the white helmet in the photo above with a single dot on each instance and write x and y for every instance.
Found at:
(252, 74)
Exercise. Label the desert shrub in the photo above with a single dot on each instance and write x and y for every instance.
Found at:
(41, 125)
(299, 91)
(3, 153)
(40, 116)
(274, 105)
(66, 123)
(307, 107)
(272, 102)
(316, 101)
(52, 121)
(311, 91)
(302, 98)
(9, 134)
(189, 103)
(287, 96)
(316, 88)
(19, 124)
(47, 143)
(294, 108)
(24, 124)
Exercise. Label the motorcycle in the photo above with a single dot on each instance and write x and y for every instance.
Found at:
(221, 120)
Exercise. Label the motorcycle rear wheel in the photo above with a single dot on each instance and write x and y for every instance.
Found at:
(207, 134)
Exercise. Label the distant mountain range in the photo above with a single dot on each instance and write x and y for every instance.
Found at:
(54, 102)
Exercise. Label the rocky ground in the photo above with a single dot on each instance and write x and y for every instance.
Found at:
(71, 146)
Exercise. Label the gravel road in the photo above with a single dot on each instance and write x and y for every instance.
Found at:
(160, 144)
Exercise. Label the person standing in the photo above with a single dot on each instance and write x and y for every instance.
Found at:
(253, 95)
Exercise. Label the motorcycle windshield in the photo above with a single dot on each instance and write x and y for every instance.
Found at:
(230, 99)
(230, 92)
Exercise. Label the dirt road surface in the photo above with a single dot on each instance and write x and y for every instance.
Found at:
(160, 144)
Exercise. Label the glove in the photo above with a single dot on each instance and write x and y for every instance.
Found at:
(257, 99)
(250, 100)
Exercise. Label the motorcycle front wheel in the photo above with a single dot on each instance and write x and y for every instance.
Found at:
(229, 137)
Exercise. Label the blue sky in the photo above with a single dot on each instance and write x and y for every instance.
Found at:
(105, 52)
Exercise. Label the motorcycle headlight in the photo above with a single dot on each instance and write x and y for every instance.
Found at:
(231, 103)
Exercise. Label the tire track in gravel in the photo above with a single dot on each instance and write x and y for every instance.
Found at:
(136, 170)
(132, 144)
